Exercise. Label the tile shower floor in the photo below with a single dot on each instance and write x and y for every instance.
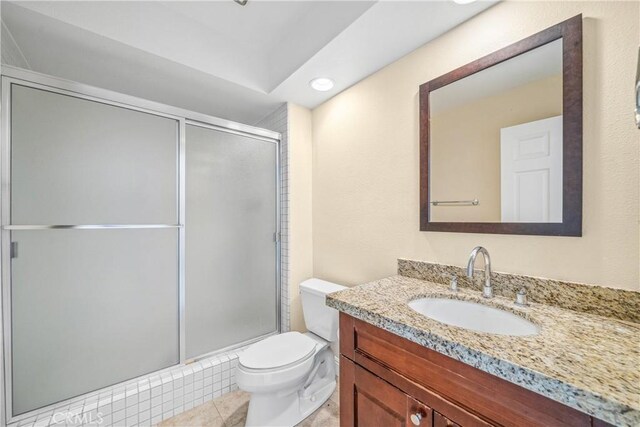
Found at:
(230, 410)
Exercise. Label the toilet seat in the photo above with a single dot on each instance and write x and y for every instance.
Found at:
(278, 352)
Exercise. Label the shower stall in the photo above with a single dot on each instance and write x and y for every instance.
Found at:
(136, 237)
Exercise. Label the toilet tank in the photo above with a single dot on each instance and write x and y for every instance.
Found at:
(320, 319)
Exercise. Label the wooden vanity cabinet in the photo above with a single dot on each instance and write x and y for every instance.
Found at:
(386, 380)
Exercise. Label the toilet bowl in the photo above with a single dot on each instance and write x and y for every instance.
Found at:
(292, 374)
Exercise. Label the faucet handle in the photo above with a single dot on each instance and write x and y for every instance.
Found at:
(521, 298)
(453, 285)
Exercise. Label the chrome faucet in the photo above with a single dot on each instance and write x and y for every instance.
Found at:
(487, 291)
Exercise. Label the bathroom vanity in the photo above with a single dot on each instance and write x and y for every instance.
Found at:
(401, 368)
(389, 381)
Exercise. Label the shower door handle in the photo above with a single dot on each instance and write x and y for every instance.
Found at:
(13, 251)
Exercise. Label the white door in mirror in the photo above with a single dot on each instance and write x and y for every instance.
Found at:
(531, 171)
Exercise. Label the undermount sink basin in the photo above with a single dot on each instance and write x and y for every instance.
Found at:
(473, 316)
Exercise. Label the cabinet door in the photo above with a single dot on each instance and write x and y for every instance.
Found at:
(368, 401)
(440, 420)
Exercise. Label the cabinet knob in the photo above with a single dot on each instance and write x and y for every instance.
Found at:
(416, 418)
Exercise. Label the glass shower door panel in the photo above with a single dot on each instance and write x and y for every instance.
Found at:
(90, 308)
(76, 161)
(230, 253)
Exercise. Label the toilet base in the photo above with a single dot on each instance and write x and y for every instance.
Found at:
(269, 410)
(290, 408)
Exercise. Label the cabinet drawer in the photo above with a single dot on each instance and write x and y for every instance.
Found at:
(497, 400)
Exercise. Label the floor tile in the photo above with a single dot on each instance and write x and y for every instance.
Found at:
(230, 410)
(336, 394)
(233, 408)
(200, 416)
(328, 415)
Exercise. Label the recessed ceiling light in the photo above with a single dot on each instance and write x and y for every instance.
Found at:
(322, 84)
(463, 1)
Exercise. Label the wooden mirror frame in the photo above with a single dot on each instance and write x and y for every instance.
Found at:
(570, 31)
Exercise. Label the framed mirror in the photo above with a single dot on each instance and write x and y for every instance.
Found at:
(501, 140)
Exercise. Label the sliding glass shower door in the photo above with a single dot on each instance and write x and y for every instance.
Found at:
(94, 238)
(231, 225)
(133, 239)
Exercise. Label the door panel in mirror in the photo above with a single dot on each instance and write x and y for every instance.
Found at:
(531, 171)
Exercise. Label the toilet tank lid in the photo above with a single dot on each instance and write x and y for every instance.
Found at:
(320, 287)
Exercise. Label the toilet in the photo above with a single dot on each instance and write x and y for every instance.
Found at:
(292, 374)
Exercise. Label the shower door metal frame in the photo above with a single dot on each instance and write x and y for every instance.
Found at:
(12, 75)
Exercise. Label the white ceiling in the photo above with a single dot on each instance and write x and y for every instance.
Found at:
(220, 58)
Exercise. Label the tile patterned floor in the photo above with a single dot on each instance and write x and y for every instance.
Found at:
(230, 410)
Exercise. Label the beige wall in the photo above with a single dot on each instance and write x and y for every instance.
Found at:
(465, 146)
(365, 158)
(300, 226)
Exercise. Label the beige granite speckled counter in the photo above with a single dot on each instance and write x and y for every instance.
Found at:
(588, 362)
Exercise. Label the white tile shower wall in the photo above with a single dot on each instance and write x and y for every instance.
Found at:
(159, 396)
(278, 121)
(147, 400)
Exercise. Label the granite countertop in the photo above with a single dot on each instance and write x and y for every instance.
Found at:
(588, 362)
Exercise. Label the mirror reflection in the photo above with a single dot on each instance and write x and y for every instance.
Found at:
(496, 142)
